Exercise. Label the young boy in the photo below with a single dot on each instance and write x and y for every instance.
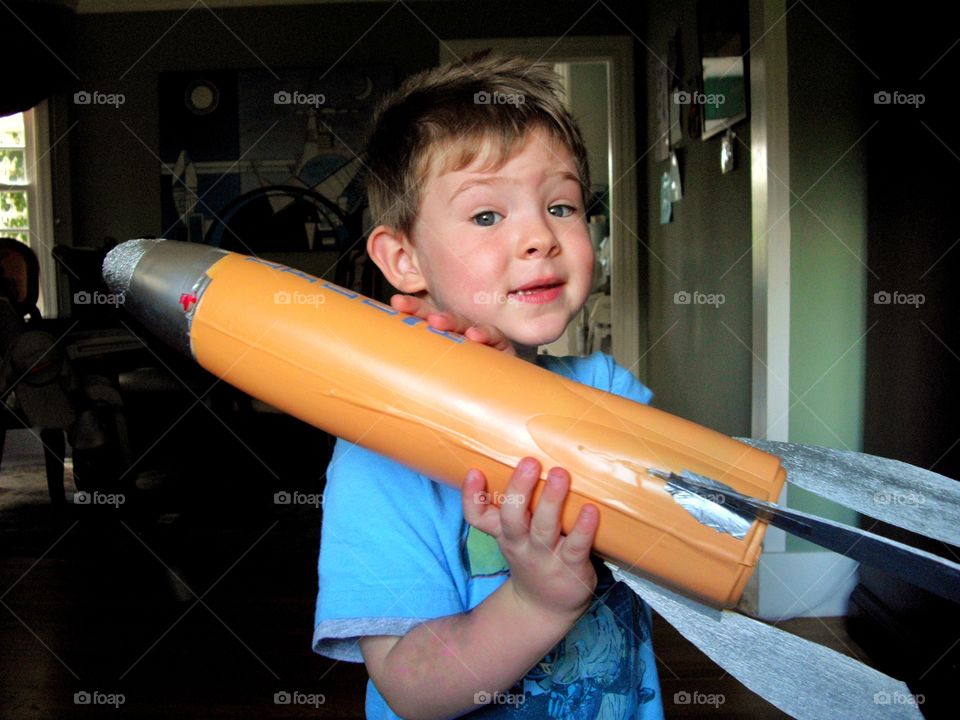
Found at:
(457, 606)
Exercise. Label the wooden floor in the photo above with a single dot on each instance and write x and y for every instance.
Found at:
(195, 600)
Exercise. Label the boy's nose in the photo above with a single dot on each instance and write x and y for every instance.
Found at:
(539, 240)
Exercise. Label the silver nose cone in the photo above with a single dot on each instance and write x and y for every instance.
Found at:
(153, 278)
(119, 264)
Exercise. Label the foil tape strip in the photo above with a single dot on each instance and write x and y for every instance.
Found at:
(707, 511)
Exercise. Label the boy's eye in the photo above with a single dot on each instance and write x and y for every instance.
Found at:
(562, 211)
(487, 218)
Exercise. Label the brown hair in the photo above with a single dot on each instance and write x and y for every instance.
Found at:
(483, 104)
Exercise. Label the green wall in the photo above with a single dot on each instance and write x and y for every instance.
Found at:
(828, 246)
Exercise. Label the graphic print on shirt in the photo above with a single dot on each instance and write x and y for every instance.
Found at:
(595, 672)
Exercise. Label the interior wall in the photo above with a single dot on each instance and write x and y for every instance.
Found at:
(699, 354)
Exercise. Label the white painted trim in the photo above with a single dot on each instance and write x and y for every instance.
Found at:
(787, 584)
(628, 327)
(805, 584)
(770, 202)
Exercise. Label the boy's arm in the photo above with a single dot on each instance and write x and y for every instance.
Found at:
(438, 668)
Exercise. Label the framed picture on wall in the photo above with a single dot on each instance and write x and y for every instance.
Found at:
(721, 26)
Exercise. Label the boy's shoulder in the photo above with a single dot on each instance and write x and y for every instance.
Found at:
(600, 371)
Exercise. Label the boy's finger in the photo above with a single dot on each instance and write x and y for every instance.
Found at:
(514, 518)
(545, 523)
(420, 308)
(440, 320)
(577, 545)
(406, 303)
(489, 335)
(477, 508)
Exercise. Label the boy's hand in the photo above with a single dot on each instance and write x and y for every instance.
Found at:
(550, 571)
(443, 320)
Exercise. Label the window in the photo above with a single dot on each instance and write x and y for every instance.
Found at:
(25, 209)
(14, 205)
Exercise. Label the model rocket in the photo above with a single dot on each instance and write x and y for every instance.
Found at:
(441, 404)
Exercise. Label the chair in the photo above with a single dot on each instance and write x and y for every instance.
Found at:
(35, 376)
(294, 226)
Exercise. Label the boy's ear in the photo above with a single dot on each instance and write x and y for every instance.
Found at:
(396, 257)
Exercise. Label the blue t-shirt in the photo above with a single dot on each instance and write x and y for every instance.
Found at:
(396, 552)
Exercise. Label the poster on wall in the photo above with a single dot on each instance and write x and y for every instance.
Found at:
(261, 161)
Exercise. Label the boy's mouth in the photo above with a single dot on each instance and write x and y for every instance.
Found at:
(539, 291)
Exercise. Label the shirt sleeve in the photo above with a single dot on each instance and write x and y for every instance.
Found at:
(389, 543)
(623, 383)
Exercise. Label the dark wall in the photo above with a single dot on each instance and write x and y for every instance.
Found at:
(913, 349)
(913, 354)
(114, 166)
(699, 358)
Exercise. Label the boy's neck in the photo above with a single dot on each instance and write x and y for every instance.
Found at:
(526, 352)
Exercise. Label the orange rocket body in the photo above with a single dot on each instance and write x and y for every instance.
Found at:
(442, 404)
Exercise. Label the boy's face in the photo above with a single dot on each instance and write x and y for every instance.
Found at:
(509, 246)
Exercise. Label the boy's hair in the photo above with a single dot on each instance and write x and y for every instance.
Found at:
(455, 113)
